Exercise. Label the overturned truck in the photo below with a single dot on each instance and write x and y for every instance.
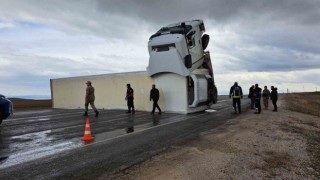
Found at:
(181, 67)
(178, 65)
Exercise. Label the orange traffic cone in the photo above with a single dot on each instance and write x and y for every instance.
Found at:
(87, 132)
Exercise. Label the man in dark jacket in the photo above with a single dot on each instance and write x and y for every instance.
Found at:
(250, 96)
(274, 98)
(129, 98)
(236, 94)
(257, 98)
(154, 95)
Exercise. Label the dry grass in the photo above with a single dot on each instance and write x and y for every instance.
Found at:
(308, 103)
(26, 104)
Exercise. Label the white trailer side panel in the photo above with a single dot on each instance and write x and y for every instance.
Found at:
(110, 91)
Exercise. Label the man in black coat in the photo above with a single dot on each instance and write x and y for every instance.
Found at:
(274, 98)
(129, 98)
(251, 91)
(154, 95)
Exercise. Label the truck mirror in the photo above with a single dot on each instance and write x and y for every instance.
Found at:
(187, 61)
(205, 41)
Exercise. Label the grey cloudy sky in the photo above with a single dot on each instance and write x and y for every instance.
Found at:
(270, 42)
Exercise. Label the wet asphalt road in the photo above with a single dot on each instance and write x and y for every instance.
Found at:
(46, 144)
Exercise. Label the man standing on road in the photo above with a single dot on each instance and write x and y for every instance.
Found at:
(154, 95)
(274, 98)
(129, 99)
(236, 94)
(257, 98)
(266, 95)
(250, 96)
(89, 99)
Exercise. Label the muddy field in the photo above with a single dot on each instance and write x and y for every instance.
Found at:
(27, 104)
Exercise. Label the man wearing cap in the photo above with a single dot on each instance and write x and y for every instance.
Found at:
(89, 99)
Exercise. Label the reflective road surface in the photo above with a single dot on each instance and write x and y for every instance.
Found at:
(46, 144)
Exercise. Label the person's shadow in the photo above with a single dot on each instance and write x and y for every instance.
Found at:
(155, 120)
(130, 129)
(130, 123)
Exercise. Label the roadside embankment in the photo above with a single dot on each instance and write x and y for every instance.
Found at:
(308, 103)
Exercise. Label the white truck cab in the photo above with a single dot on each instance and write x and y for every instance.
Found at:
(179, 49)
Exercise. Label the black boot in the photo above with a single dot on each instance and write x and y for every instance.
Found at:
(97, 113)
(85, 113)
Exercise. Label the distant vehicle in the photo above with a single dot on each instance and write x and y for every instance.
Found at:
(5, 108)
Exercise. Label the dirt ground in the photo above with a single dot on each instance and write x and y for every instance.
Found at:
(28, 104)
(270, 145)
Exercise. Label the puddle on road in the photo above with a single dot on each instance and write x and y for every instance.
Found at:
(32, 154)
(121, 132)
(131, 128)
(38, 145)
(210, 110)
